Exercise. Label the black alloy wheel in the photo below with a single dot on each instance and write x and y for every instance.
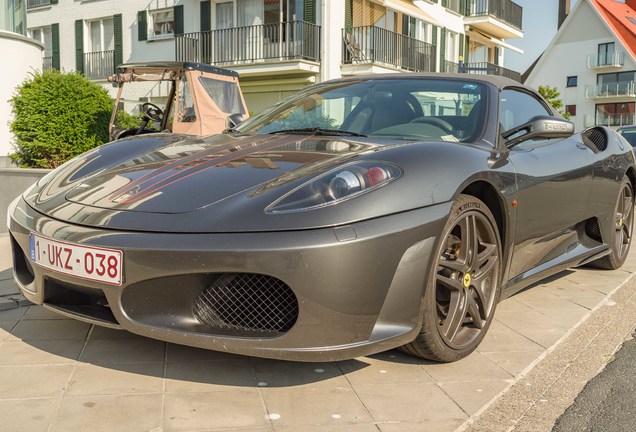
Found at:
(623, 225)
(464, 284)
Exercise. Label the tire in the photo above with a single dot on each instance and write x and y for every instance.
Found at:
(623, 224)
(463, 286)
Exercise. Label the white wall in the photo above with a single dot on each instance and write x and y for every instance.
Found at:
(25, 56)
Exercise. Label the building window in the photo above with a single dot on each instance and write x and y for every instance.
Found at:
(570, 109)
(606, 54)
(572, 81)
(101, 35)
(162, 23)
(615, 114)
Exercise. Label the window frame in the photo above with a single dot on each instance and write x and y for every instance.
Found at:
(88, 39)
(572, 81)
(151, 23)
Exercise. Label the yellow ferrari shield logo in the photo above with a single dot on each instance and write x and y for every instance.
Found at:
(467, 280)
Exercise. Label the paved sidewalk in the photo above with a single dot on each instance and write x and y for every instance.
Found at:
(58, 374)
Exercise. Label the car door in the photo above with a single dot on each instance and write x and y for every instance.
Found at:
(554, 181)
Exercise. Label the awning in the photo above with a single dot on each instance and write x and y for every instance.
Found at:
(407, 7)
(435, 15)
(479, 36)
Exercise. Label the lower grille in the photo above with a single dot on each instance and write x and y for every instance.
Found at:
(251, 302)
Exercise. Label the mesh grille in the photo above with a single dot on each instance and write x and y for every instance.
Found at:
(597, 136)
(593, 230)
(249, 302)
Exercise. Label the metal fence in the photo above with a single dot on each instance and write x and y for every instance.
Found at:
(451, 66)
(491, 69)
(281, 41)
(47, 63)
(370, 44)
(99, 64)
(505, 10)
(37, 3)
(454, 5)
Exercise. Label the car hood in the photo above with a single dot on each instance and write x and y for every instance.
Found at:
(192, 174)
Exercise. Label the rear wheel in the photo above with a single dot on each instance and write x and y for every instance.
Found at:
(463, 286)
(623, 224)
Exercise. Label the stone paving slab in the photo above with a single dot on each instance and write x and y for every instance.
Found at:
(58, 374)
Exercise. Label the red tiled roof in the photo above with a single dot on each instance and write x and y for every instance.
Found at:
(616, 14)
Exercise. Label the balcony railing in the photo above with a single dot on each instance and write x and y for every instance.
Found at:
(486, 68)
(47, 63)
(616, 59)
(294, 40)
(98, 65)
(37, 3)
(375, 45)
(451, 66)
(505, 10)
(621, 89)
(615, 119)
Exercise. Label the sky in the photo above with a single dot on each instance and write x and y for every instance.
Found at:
(539, 27)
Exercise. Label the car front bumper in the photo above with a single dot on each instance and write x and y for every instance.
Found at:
(358, 288)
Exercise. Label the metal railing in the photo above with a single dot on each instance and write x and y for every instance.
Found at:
(615, 119)
(616, 59)
(486, 68)
(282, 41)
(506, 10)
(370, 44)
(99, 64)
(47, 63)
(620, 89)
(37, 3)
(451, 66)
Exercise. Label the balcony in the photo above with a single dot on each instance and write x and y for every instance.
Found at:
(47, 63)
(99, 65)
(485, 68)
(500, 18)
(614, 90)
(31, 4)
(296, 42)
(615, 119)
(614, 60)
(379, 48)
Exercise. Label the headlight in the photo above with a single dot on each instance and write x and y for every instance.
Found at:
(341, 184)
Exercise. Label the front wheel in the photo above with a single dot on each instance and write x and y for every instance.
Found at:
(463, 286)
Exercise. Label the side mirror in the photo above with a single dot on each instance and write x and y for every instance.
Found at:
(539, 127)
(233, 120)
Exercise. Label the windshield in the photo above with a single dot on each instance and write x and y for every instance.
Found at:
(411, 109)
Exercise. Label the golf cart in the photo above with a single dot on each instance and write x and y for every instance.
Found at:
(187, 98)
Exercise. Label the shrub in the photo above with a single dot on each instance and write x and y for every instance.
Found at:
(58, 115)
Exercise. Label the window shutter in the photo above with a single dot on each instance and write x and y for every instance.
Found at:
(79, 46)
(462, 41)
(55, 43)
(53, 1)
(310, 11)
(434, 43)
(206, 16)
(178, 20)
(348, 14)
(142, 25)
(119, 45)
(442, 50)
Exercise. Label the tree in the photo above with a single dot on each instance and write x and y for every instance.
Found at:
(552, 95)
(58, 115)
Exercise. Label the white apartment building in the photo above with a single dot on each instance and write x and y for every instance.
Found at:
(592, 62)
(278, 46)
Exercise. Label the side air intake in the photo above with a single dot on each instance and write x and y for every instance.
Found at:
(595, 137)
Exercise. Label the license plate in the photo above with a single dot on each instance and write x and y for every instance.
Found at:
(86, 262)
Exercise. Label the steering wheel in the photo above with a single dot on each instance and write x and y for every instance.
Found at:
(152, 111)
(442, 124)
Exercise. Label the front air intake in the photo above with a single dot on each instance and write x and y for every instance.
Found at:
(247, 302)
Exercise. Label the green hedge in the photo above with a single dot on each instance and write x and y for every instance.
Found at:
(58, 115)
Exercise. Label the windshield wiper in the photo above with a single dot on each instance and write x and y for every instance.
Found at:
(318, 131)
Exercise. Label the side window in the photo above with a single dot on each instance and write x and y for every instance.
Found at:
(517, 107)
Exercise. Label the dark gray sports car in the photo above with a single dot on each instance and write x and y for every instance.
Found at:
(356, 216)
